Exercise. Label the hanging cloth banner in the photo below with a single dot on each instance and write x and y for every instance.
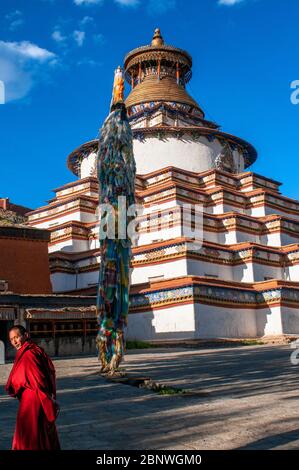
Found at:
(116, 174)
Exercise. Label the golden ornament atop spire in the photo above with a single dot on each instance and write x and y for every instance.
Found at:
(118, 87)
(157, 38)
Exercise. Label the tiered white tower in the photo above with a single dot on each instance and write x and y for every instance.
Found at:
(244, 280)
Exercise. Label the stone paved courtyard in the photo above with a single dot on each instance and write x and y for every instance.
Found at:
(244, 397)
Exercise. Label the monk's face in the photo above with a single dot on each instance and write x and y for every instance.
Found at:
(17, 339)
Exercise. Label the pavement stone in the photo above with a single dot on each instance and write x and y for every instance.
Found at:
(243, 398)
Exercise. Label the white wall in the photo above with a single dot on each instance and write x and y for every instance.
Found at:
(261, 271)
(272, 239)
(211, 236)
(287, 239)
(270, 210)
(165, 234)
(79, 216)
(290, 320)
(257, 211)
(228, 238)
(217, 209)
(88, 166)
(224, 322)
(237, 236)
(269, 321)
(207, 321)
(163, 206)
(278, 239)
(292, 273)
(189, 321)
(87, 279)
(233, 208)
(70, 245)
(63, 282)
(169, 270)
(243, 273)
(168, 323)
(202, 268)
(247, 237)
(153, 154)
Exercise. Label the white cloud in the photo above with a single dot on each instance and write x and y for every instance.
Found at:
(58, 36)
(13, 14)
(17, 82)
(89, 62)
(88, 2)
(27, 50)
(15, 24)
(229, 2)
(15, 18)
(86, 20)
(22, 64)
(128, 3)
(153, 7)
(79, 37)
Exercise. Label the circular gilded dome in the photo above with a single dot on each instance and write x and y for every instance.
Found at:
(157, 51)
(165, 89)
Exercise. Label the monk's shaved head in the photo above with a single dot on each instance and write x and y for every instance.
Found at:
(21, 329)
(18, 335)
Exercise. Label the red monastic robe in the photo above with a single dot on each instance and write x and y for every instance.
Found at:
(32, 381)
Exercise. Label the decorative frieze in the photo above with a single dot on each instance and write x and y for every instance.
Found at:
(164, 252)
(61, 313)
(82, 204)
(213, 294)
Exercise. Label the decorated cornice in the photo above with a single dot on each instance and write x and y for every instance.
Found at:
(182, 248)
(192, 291)
(46, 301)
(216, 254)
(71, 232)
(89, 184)
(262, 197)
(75, 158)
(257, 176)
(187, 289)
(65, 203)
(160, 219)
(257, 181)
(137, 113)
(61, 314)
(171, 183)
(72, 184)
(209, 179)
(218, 293)
(79, 204)
(229, 221)
(219, 194)
(150, 53)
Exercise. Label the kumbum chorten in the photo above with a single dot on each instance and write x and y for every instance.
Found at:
(243, 281)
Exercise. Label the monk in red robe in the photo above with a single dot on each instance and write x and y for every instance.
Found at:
(32, 381)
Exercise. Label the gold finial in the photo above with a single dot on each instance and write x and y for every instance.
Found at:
(157, 39)
(118, 86)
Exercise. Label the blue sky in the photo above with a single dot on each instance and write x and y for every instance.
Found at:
(57, 59)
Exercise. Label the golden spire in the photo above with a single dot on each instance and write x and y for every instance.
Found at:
(157, 38)
(118, 87)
